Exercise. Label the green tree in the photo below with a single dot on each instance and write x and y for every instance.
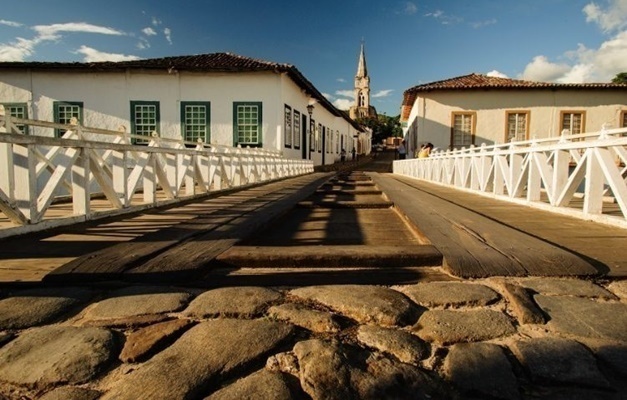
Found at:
(620, 78)
(382, 127)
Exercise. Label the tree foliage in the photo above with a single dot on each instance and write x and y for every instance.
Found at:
(620, 78)
(382, 127)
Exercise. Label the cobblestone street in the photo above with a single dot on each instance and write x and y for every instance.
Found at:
(519, 338)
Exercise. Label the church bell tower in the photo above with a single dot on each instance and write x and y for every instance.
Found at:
(362, 107)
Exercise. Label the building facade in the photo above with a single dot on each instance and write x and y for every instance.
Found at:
(476, 109)
(221, 99)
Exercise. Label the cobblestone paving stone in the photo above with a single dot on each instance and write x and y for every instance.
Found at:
(319, 342)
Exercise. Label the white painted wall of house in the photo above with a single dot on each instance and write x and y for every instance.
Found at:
(430, 116)
(106, 100)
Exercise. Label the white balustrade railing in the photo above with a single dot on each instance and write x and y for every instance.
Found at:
(552, 173)
(36, 170)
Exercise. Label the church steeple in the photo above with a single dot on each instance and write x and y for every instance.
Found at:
(362, 107)
(362, 71)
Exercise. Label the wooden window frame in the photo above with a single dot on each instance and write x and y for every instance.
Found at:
(56, 107)
(473, 126)
(623, 119)
(288, 126)
(184, 120)
(527, 123)
(133, 119)
(24, 107)
(296, 126)
(583, 120)
(312, 135)
(319, 138)
(259, 123)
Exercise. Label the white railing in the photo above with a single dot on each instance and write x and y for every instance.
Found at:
(554, 173)
(85, 162)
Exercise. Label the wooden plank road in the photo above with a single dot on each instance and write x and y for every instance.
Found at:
(481, 237)
(181, 250)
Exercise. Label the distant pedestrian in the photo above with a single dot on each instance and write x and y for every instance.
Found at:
(343, 155)
(353, 153)
(402, 151)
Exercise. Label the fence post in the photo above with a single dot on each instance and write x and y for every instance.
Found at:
(80, 183)
(25, 192)
(7, 183)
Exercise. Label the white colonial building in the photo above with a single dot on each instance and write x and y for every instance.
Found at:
(476, 109)
(220, 99)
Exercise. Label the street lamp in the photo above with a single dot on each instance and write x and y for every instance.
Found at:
(310, 108)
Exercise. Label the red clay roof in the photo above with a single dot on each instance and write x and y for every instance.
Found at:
(484, 82)
(214, 62)
(478, 81)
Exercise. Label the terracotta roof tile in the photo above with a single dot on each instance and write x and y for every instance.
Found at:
(478, 81)
(484, 82)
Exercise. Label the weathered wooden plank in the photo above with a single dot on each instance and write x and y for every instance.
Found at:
(192, 255)
(111, 262)
(352, 256)
(320, 276)
(474, 245)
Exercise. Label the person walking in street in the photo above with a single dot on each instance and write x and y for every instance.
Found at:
(402, 151)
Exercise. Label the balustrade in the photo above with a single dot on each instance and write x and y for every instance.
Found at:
(580, 175)
(86, 162)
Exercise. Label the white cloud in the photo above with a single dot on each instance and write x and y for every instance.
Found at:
(341, 80)
(496, 74)
(410, 8)
(343, 104)
(18, 50)
(93, 55)
(583, 64)
(382, 93)
(52, 32)
(21, 48)
(327, 96)
(168, 34)
(541, 69)
(149, 31)
(443, 18)
(143, 44)
(611, 19)
(10, 23)
(345, 93)
(481, 24)
(156, 21)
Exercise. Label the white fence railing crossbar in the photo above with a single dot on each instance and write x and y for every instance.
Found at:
(551, 173)
(36, 170)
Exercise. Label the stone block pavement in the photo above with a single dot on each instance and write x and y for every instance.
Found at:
(496, 338)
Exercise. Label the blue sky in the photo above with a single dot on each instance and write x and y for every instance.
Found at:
(407, 42)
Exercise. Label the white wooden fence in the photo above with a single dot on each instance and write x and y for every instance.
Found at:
(555, 174)
(86, 162)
